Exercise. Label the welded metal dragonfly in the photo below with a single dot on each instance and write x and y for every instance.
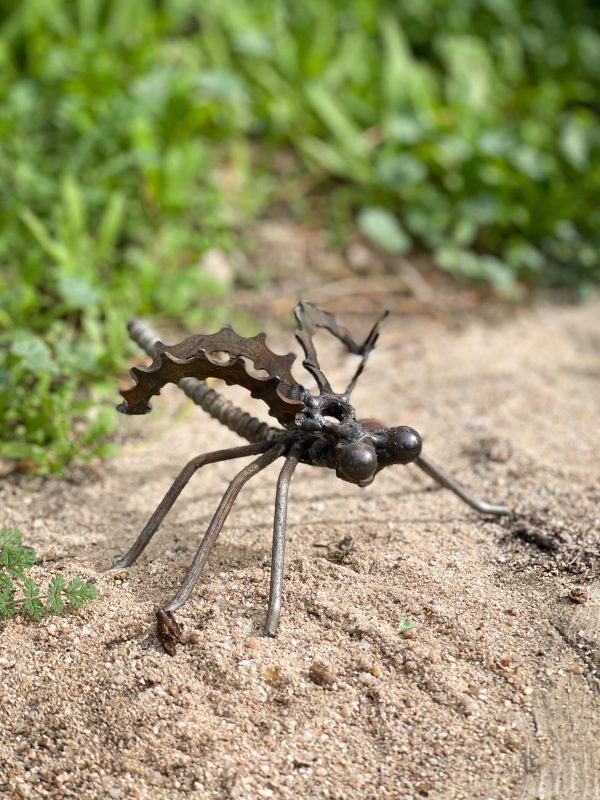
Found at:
(316, 429)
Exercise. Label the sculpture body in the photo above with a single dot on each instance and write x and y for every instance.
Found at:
(321, 430)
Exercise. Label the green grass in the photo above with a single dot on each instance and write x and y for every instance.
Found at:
(136, 135)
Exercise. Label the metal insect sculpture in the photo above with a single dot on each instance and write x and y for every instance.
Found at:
(316, 429)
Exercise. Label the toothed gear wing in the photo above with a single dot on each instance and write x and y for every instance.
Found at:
(193, 358)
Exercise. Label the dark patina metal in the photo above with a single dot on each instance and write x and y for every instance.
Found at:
(316, 429)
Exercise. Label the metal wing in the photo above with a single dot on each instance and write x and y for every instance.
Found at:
(200, 357)
(310, 317)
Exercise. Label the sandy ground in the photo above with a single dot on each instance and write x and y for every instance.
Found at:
(493, 692)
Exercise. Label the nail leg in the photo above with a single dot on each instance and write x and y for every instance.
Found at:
(431, 469)
(217, 521)
(278, 553)
(175, 490)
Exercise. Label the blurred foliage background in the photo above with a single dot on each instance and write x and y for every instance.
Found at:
(466, 129)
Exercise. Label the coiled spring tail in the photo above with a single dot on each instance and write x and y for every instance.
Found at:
(321, 430)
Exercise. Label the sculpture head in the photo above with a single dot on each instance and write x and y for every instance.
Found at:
(360, 460)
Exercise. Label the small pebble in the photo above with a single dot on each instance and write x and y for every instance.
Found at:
(468, 705)
(359, 257)
(577, 669)
(578, 595)
(193, 637)
(273, 673)
(321, 675)
(513, 742)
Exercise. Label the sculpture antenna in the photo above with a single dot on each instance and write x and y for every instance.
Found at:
(367, 348)
(310, 317)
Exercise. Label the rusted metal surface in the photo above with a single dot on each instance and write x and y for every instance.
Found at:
(321, 429)
(309, 318)
(203, 395)
(200, 357)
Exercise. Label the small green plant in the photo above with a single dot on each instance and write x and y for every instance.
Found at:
(21, 594)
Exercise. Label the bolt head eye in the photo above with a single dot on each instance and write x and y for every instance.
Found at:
(404, 444)
(357, 462)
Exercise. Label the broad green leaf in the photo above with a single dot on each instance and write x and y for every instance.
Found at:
(33, 353)
(400, 170)
(78, 292)
(222, 84)
(382, 228)
(575, 141)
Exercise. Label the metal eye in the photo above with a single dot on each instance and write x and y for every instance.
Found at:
(357, 462)
(404, 444)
